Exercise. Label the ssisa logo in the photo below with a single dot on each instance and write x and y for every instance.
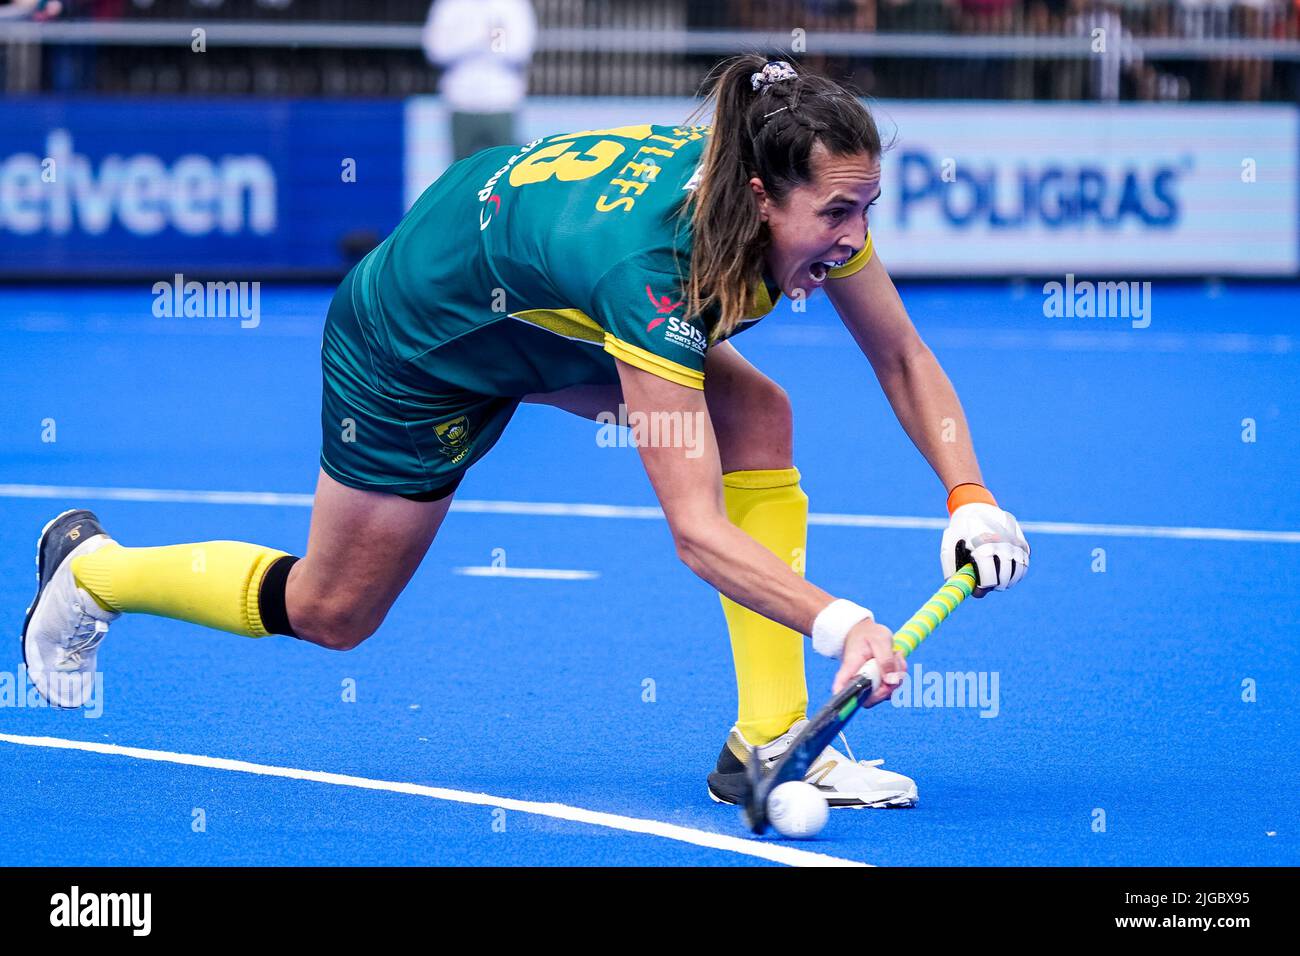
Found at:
(688, 336)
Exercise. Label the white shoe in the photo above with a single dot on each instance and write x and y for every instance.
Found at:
(65, 625)
(843, 781)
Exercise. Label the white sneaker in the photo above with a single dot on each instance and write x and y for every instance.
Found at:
(65, 625)
(845, 782)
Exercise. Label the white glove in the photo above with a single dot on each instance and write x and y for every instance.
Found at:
(989, 538)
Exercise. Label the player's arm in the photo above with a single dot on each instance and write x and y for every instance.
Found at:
(688, 484)
(927, 407)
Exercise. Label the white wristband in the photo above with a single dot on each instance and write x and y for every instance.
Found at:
(832, 625)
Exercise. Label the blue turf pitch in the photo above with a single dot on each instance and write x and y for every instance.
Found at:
(1118, 692)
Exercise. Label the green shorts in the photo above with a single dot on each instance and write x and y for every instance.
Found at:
(388, 426)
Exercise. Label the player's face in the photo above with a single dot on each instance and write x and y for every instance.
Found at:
(822, 221)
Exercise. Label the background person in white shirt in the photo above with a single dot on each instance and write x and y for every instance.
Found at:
(484, 48)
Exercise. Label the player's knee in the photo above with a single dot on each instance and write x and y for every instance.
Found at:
(345, 638)
(336, 626)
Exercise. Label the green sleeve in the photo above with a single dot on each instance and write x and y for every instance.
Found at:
(640, 303)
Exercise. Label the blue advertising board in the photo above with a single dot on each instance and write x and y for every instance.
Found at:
(991, 189)
(129, 186)
(109, 187)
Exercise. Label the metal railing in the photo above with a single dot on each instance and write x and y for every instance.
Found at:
(1020, 49)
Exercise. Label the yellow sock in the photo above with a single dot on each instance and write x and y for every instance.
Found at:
(771, 508)
(213, 583)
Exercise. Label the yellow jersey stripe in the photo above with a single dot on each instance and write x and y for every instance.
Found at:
(570, 323)
(654, 364)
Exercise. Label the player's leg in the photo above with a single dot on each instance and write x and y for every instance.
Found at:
(754, 423)
(751, 414)
(755, 426)
(395, 442)
(585, 401)
(362, 549)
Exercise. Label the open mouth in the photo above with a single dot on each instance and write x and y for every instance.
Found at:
(819, 269)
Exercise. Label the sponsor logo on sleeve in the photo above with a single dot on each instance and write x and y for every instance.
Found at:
(664, 306)
(686, 334)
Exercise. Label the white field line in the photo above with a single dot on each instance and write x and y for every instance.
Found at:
(544, 574)
(1121, 338)
(587, 510)
(773, 852)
